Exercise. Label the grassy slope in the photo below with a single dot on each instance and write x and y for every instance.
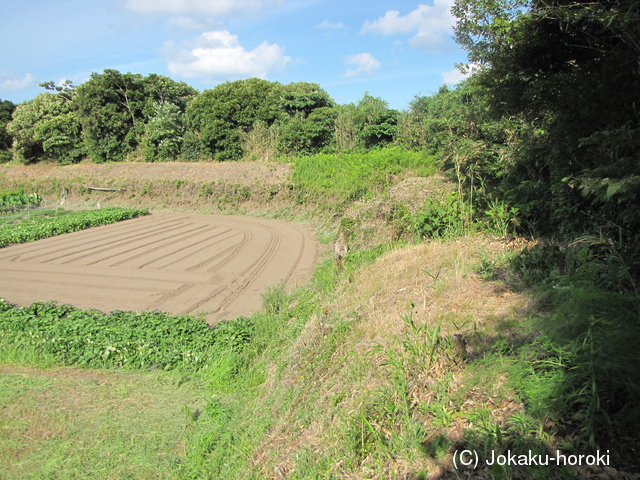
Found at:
(358, 375)
(73, 423)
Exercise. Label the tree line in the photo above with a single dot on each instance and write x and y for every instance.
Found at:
(549, 124)
(117, 116)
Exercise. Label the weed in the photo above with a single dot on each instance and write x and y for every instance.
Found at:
(206, 190)
(147, 189)
(439, 218)
(502, 219)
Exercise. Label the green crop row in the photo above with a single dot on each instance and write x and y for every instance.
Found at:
(131, 340)
(32, 229)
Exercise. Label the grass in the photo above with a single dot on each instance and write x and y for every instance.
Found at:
(68, 423)
(353, 176)
(380, 368)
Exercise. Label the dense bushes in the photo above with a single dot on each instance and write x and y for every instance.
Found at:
(590, 335)
(115, 109)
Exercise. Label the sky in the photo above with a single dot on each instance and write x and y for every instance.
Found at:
(389, 49)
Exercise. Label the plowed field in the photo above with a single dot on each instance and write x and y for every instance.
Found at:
(213, 265)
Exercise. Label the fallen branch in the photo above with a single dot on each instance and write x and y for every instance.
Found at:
(106, 189)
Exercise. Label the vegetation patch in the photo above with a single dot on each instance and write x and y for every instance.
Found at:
(70, 336)
(31, 229)
(427, 332)
(70, 422)
(353, 176)
(17, 199)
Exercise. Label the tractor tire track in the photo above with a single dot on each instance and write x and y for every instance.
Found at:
(213, 265)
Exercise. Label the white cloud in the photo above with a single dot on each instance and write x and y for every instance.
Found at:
(457, 75)
(199, 7)
(11, 83)
(432, 25)
(363, 63)
(219, 55)
(327, 25)
(453, 77)
(194, 24)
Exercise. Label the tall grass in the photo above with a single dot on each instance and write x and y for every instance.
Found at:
(352, 176)
(591, 336)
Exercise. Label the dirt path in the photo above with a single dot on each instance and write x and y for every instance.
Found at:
(214, 265)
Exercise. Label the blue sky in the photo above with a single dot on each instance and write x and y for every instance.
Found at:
(391, 49)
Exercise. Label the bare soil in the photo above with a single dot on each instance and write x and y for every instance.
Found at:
(211, 265)
(234, 172)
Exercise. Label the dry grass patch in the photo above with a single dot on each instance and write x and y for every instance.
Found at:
(414, 191)
(438, 283)
(354, 401)
(370, 222)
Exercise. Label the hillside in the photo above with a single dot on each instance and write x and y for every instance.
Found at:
(387, 364)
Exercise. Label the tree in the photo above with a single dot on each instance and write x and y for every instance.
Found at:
(163, 132)
(46, 126)
(368, 124)
(111, 111)
(310, 121)
(161, 89)
(114, 108)
(67, 90)
(303, 98)
(219, 116)
(6, 111)
(570, 70)
(300, 135)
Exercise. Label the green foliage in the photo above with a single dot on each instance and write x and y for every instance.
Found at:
(192, 148)
(484, 23)
(300, 135)
(303, 98)
(591, 334)
(218, 116)
(163, 133)
(46, 126)
(114, 108)
(32, 229)
(6, 111)
(380, 129)
(601, 332)
(355, 175)
(568, 72)
(12, 200)
(110, 106)
(132, 340)
(502, 219)
(439, 217)
(365, 125)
